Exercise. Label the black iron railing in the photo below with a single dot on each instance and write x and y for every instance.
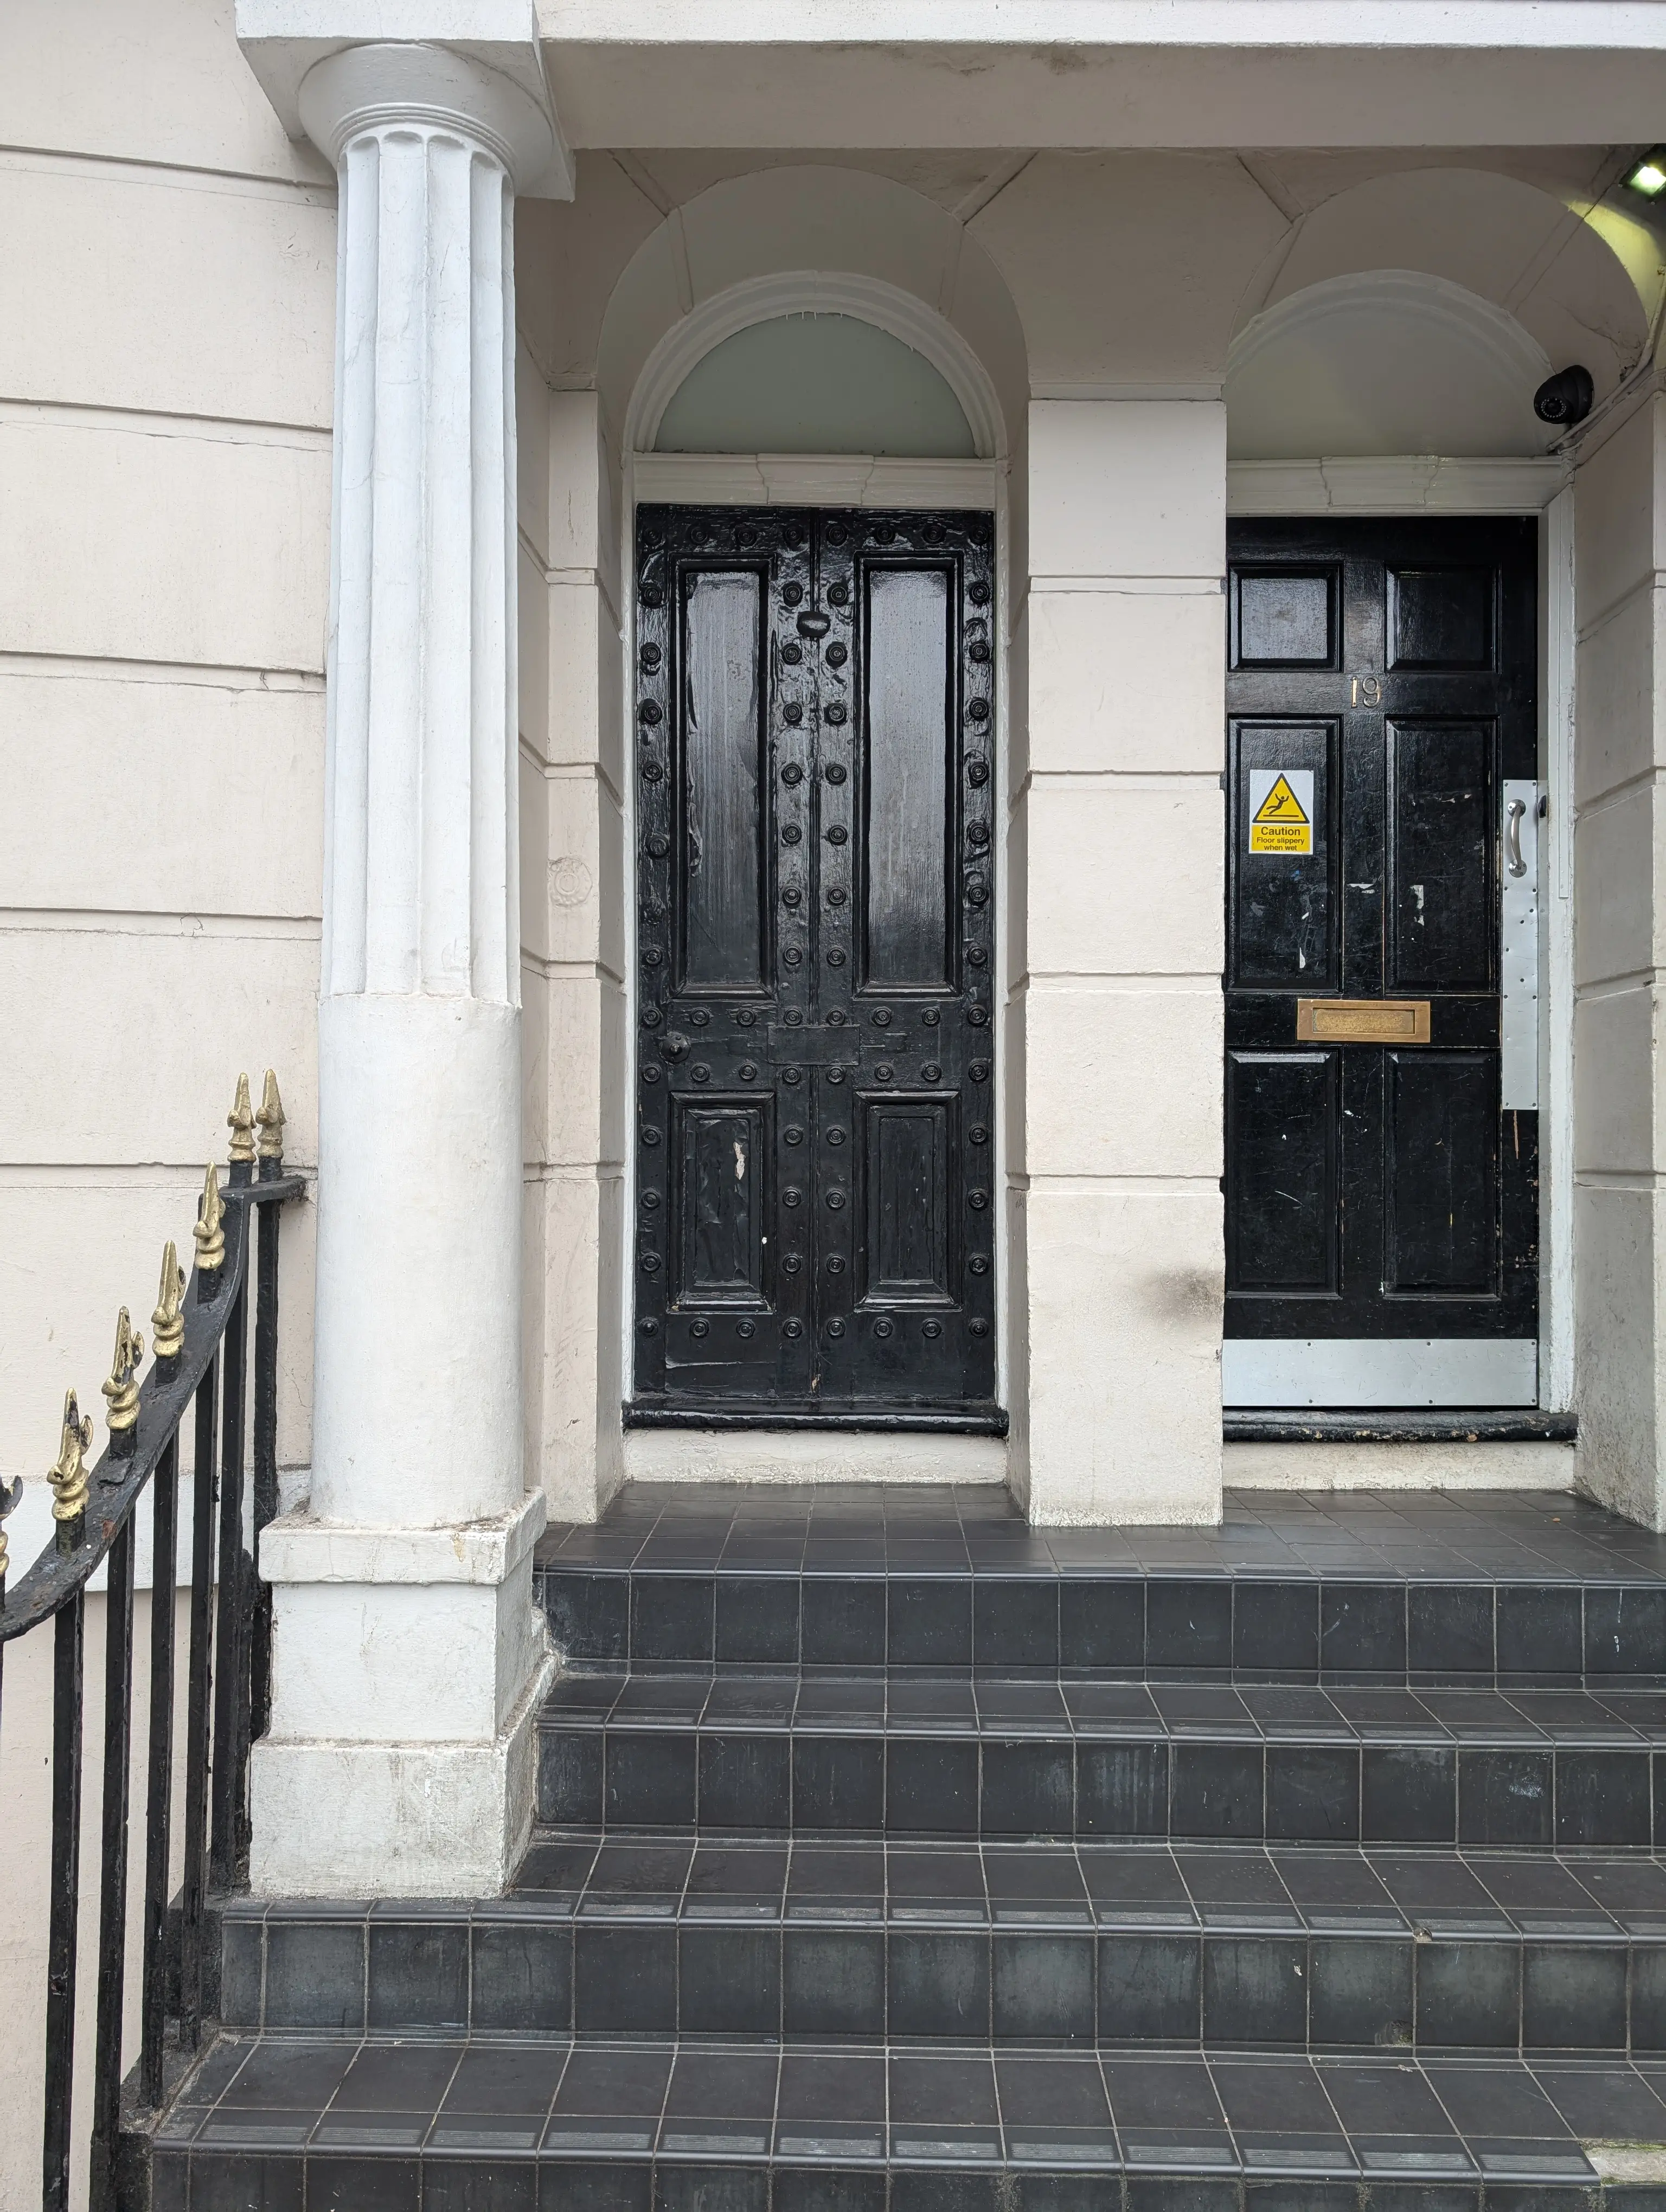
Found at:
(200, 1368)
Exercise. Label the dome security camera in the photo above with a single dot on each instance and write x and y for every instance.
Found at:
(1566, 397)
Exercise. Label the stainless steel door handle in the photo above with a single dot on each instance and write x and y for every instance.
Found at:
(1512, 837)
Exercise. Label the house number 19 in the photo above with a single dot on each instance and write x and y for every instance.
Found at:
(1365, 691)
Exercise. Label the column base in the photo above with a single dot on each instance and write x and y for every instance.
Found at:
(410, 1668)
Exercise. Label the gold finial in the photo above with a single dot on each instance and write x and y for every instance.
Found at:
(8, 1497)
(121, 1388)
(68, 1477)
(167, 1323)
(240, 1122)
(270, 1119)
(209, 1236)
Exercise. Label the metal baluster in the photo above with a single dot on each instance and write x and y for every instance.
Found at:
(230, 1676)
(68, 1638)
(158, 1805)
(265, 1454)
(200, 1664)
(112, 1885)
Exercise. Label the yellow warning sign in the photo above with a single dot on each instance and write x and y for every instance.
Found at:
(1281, 810)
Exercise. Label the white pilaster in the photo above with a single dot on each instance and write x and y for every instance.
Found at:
(1115, 1066)
(406, 1667)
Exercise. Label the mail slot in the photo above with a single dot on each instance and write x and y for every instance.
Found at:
(1362, 1021)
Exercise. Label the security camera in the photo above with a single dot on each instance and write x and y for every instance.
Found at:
(1566, 397)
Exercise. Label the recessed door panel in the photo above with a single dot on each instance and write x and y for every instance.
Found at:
(1441, 617)
(1283, 933)
(1442, 841)
(1442, 1208)
(906, 1163)
(723, 1198)
(1282, 1225)
(908, 794)
(1284, 617)
(723, 791)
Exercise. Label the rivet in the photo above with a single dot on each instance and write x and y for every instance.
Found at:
(978, 593)
(745, 1019)
(700, 1018)
(980, 1266)
(650, 1072)
(977, 1015)
(700, 1328)
(652, 772)
(977, 710)
(795, 1018)
(836, 1201)
(650, 1263)
(836, 1135)
(652, 1017)
(652, 956)
(837, 896)
(834, 713)
(791, 834)
(979, 1327)
(746, 1328)
(835, 771)
(978, 649)
(792, 958)
(882, 1328)
(978, 1200)
(649, 1326)
(932, 1328)
(835, 1265)
(792, 896)
(792, 1330)
(880, 1018)
(978, 1134)
(791, 774)
(792, 1075)
(792, 654)
(885, 1071)
(836, 1328)
(650, 1138)
(835, 656)
(977, 772)
(931, 1018)
(792, 1195)
(701, 1074)
(838, 595)
(838, 834)
(651, 712)
(747, 1070)
(793, 594)
(931, 1072)
(979, 1071)
(793, 713)
(791, 1264)
(658, 846)
(793, 1136)
(651, 657)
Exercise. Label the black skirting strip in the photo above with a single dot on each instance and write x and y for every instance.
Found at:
(1434, 1425)
(881, 1420)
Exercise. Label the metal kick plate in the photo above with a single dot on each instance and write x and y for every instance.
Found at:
(1362, 1021)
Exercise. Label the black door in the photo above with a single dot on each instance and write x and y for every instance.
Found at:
(1380, 1184)
(815, 1164)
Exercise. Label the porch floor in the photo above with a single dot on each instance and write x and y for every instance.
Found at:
(850, 1528)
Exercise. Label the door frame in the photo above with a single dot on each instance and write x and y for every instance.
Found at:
(847, 480)
(1428, 485)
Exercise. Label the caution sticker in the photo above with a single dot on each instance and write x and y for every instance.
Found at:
(1281, 810)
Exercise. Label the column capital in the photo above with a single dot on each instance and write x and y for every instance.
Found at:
(331, 68)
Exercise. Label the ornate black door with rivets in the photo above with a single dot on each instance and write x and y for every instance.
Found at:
(814, 1241)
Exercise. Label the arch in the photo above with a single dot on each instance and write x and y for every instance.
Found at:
(1583, 283)
(759, 306)
(1386, 361)
(814, 240)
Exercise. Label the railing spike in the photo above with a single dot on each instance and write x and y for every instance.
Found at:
(10, 1496)
(167, 1322)
(121, 1391)
(270, 1119)
(68, 1476)
(240, 1122)
(209, 1236)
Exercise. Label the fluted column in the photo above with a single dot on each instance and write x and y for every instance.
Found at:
(407, 1652)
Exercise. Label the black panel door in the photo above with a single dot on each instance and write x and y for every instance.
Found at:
(1380, 690)
(815, 1161)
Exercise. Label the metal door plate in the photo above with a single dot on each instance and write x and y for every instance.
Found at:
(1362, 1021)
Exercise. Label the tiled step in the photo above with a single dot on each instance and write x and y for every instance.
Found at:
(939, 1752)
(457, 2124)
(1122, 1943)
(1535, 1585)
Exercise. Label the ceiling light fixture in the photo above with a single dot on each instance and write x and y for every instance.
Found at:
(1648, 176)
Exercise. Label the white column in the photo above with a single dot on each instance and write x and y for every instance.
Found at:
(408, 1657)
(1116, 911)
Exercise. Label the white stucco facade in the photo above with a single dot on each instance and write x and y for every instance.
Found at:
(354, 799)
